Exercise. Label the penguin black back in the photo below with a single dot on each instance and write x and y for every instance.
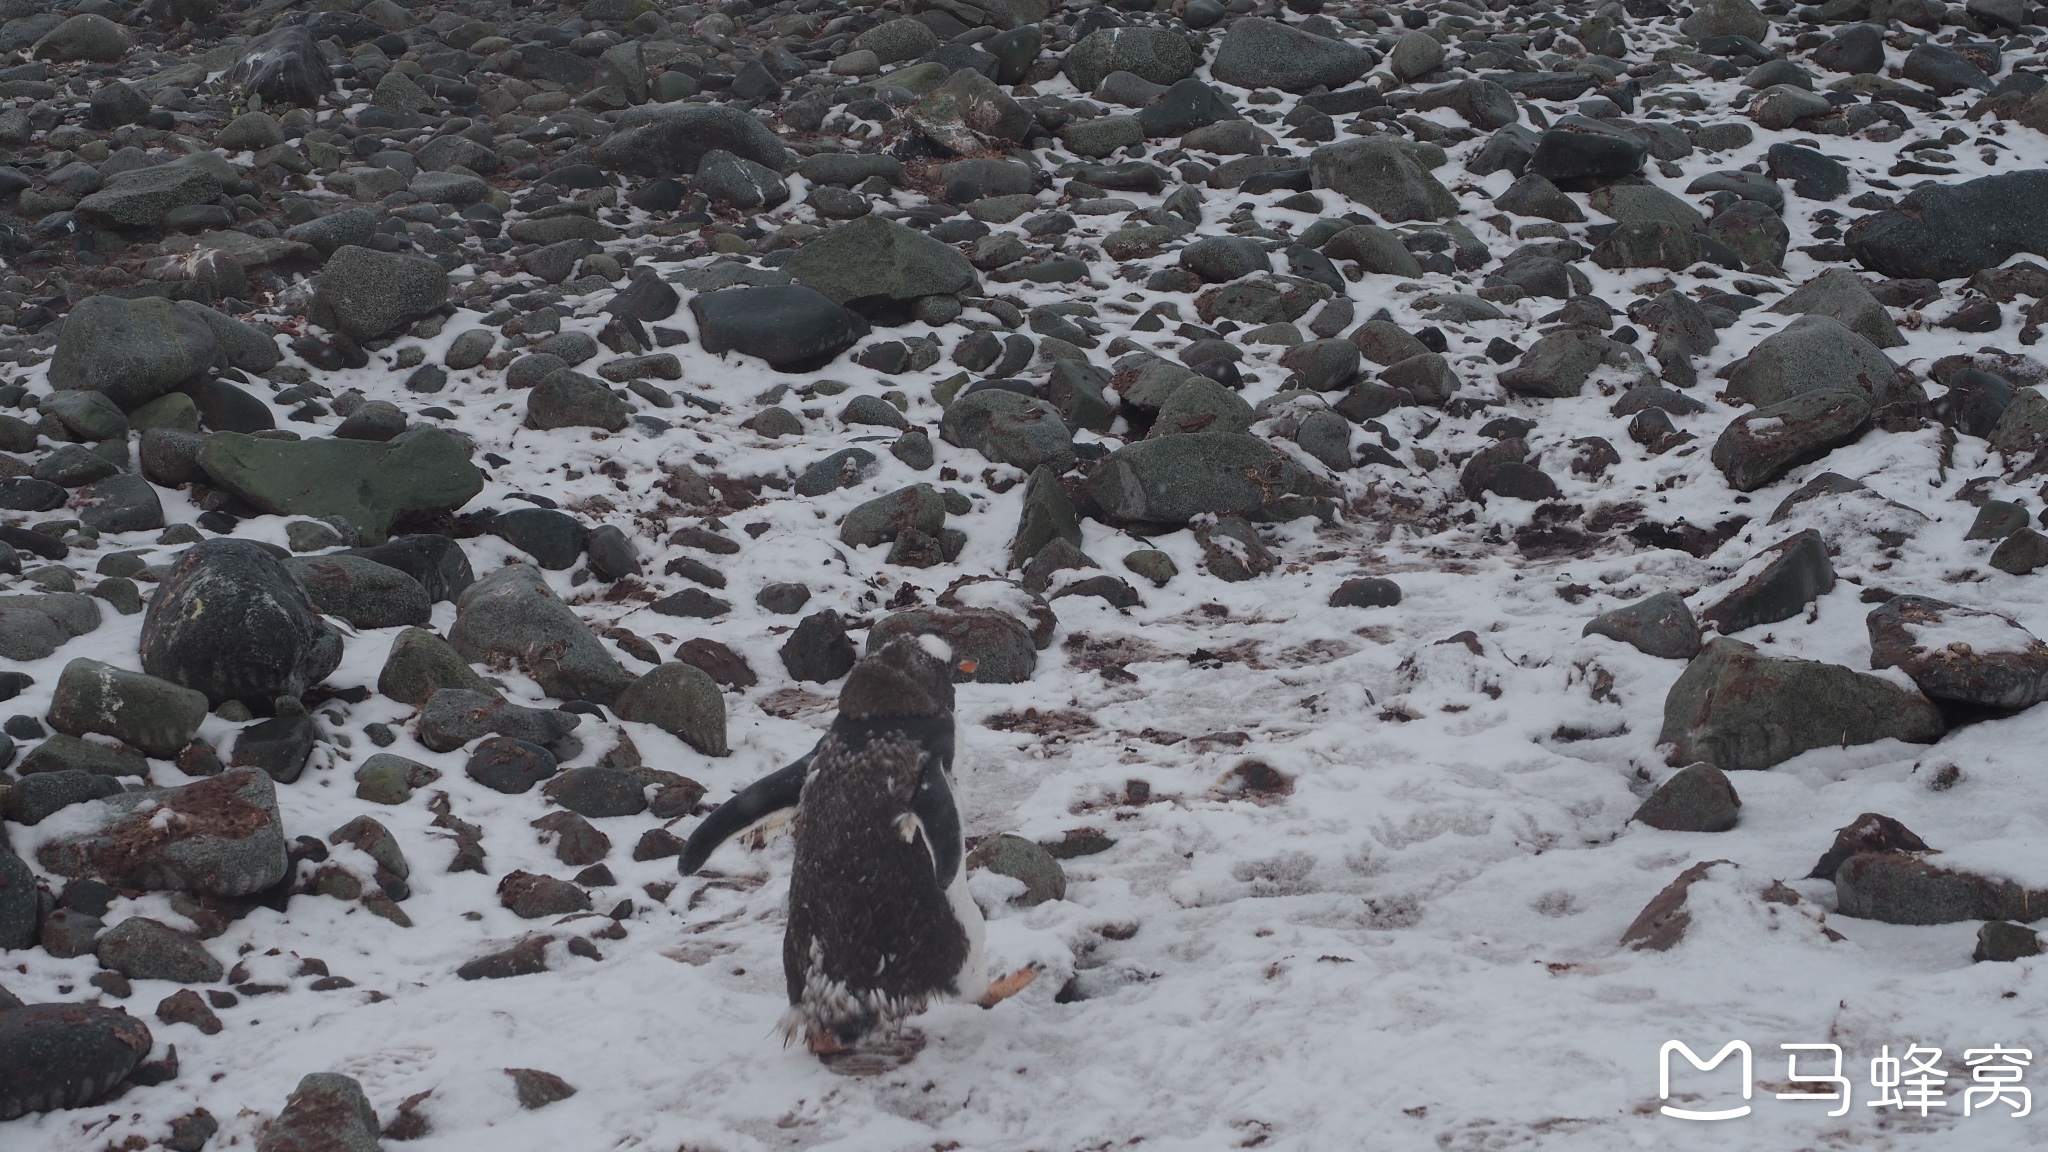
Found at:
(872, 933)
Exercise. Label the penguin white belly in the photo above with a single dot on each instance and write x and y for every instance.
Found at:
(972, 981)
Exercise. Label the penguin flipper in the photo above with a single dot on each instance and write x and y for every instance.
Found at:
(775, 792)
(933, 806)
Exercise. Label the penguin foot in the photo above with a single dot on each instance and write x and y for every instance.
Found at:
(1008, 986)
(823, 1042)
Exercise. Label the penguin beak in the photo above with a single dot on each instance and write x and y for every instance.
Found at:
(966, 667)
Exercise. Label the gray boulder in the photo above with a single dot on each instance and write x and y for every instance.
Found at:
(1559, 364)
(1813, 354)
(144, 949)
(682, 700)
(1762, 445)
(32, 627)
(231, 621)
(1384, 176)
(1259, 53)
(363, 592)
(1841, 297)
(1023, 431)
(511, 618)
(139, 710)
(671, 139)
(366, 293)
(133, 351)
(453, 717)
(139, 197)
(1698, 798)
(227, 839)
(872, 264)
(1946, 231)
(1904, 888)
(1659, 625)
(366, 482)
(327, 1112)
(1783, 580)
(1736, 708)
(1170, 480)
(1153, 53)
(1963, 654)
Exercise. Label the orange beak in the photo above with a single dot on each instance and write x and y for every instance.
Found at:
(967, 667)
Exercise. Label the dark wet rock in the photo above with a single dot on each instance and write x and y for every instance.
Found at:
(1662, 923)
(792, 327)
(366, 293)
(228, 841)
(420, 663)
(1502, 469)
(1698, 798)
(526, 958)
(34, 626)
(1000, 645)
(1578, 154)
(1760, 446)
(1785, 578)
(1174, 478)
(1813, 353)
(512, 618)
(530, 896)
(453, 717)
(511, 766)
(435, 562)
(279, 746)
(61, 753)
(682, 700)
(1735, 708)
(231, 621)
(598, 792)
(1943, 231)
(818, 649)
(1963, 654)
(327, 1112)
(2020, 553)
(363, 592)
(1155, 54)
(2002, 940)
(56, 1056)
(1382, 175)
(283, 66)
(132, 351)
(1366, 592)
(144, 949)
(1010, 855)
(671, 139)
(34, 797)
(371, 485)
(1007, 428)
(1813, 175)
(1659, 625)
(552, 537)
(1903, 888)
(1269, 54)
(143, 711)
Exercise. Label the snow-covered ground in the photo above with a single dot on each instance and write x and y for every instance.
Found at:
(1412, 943)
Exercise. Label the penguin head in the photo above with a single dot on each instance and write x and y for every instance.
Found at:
(903, 679)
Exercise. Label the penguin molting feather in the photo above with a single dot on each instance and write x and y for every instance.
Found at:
(880, 922)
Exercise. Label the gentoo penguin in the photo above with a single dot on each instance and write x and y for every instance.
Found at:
(880, 922)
